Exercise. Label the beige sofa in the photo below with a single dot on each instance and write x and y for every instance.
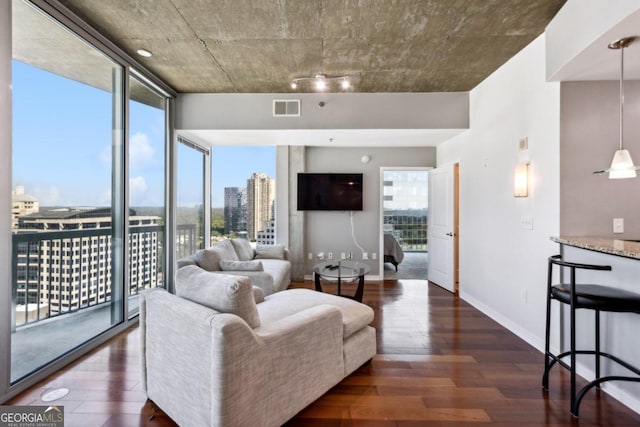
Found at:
(214, 357)
(267, 266)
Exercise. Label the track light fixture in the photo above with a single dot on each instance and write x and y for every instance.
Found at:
(321, 82)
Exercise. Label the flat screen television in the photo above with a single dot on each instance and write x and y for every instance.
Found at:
(329, 191)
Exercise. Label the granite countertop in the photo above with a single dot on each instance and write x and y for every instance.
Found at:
(625, 248)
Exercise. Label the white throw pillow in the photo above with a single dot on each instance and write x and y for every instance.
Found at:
(228, 265)
(243, 249)
(210, 258)
(223, 293)
(269, 251)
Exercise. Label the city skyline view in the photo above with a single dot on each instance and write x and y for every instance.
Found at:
(63, 168)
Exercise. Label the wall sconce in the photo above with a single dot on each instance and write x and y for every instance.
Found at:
(521, 180)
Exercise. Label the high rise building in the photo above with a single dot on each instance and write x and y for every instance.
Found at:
(234, 210)
(267, 236)
(22, 204)
(64, 259)
(261, 196)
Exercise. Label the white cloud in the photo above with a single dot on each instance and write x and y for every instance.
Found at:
(140, 151)
(48, 196)
(137, 190)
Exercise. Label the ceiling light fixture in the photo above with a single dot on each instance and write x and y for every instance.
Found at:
(144, 52)
(321, 81)
(622, 165)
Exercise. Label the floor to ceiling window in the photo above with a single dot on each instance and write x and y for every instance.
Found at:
(147, 225)
(74, 231)
(243, 192)
(405, 210)
(191, 170)
(66, 135)
(405, 207)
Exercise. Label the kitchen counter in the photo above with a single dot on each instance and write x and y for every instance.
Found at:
(623, 248)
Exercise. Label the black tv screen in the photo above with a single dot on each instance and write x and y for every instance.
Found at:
(329, 191)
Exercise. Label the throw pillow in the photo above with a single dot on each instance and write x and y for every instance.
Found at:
(223, 293)
(269, 251)
(228, 265)
(210, 258)
(243, 249)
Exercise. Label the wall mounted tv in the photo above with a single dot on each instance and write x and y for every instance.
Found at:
(329, 191)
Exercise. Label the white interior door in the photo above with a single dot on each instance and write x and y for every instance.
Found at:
(441, 227)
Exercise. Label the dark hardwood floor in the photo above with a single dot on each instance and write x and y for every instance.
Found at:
(440, 363)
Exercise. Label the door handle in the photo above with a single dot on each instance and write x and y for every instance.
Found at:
(450, 234)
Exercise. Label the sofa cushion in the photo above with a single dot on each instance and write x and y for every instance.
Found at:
(355, 315)
(223, 293)
(269, 252)
(210, 258)
(243, 249)
(280, 270)
(228, 265)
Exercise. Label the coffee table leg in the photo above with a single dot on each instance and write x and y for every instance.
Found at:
(359, 290)
(317, 279)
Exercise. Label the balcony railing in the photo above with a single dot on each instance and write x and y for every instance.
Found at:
(60, 272)
(410, 230)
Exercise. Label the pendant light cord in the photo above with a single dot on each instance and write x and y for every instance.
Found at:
(622, 46)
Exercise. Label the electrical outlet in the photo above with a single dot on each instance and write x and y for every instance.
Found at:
(618, 225)
(343, 256)
(373, 255)
(365, 255)
(329, 255)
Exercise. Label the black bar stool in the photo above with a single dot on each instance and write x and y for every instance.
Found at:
(592, 297)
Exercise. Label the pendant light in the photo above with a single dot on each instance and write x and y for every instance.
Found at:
(621, 166)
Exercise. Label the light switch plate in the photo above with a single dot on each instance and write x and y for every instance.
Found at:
(526, 222)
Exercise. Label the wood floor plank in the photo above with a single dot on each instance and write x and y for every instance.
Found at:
(440, 363)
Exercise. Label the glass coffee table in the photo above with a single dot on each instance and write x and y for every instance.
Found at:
(342, 270)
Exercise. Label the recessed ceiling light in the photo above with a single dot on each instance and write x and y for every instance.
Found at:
(144, 52)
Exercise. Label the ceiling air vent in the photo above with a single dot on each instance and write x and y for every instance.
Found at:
(286, 108)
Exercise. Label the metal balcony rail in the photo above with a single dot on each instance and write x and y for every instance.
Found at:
(61, 272)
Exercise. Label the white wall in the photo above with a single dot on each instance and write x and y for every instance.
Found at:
(331, 230)
(577, 25)
(500, 261)
(340, 111)
(590, 133)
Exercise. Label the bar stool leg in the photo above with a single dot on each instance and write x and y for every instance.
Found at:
(574, 410)
(597, 346)
(545, 375)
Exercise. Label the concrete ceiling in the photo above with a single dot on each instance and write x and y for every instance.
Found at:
(244, 46)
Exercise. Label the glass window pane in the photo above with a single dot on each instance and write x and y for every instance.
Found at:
(67, 124)
(190, 217)
(147, 139)
(243, 193)
(405, 204)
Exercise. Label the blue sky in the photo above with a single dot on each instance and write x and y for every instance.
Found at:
(62, 147)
